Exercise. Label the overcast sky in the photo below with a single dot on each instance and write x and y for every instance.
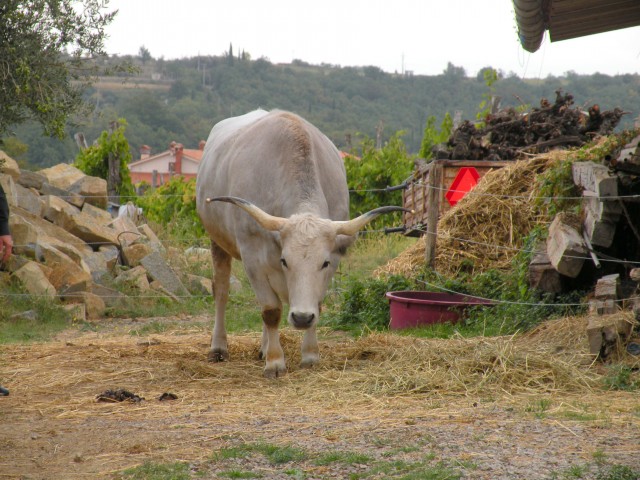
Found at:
(395, 35)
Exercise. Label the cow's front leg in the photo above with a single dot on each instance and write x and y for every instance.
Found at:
(221, 275)
(271, 350)
(310, 351)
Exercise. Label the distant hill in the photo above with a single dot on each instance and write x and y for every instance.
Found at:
(182, 99)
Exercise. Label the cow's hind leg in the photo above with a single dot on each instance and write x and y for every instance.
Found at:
(221, 274)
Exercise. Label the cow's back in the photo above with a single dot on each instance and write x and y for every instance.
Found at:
(277, 161)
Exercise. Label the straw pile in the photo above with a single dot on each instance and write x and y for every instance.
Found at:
(487, 227)
(377, 366)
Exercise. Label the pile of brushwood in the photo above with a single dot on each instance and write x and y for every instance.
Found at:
(509, 134)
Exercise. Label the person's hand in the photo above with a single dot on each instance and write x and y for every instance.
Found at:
(6, 245)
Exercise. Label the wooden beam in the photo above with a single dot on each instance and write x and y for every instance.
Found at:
(433, 212)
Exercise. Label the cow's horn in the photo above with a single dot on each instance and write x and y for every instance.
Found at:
(266, 221)
(351, 227)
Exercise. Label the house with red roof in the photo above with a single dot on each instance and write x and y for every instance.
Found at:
(158, 169)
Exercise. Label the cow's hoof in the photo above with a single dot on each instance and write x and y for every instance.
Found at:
(309, 362)
(218, 355)
(275, 372)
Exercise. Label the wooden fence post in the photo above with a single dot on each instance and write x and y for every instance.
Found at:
(113, 175)
(433, 211)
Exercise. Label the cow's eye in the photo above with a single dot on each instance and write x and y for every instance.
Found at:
(283, 262)
(325, 264)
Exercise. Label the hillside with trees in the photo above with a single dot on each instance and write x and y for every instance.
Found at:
(182, 99)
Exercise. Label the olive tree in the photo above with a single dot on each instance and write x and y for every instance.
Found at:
(48, 53)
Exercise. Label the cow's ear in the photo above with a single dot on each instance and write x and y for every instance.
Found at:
(343, 242)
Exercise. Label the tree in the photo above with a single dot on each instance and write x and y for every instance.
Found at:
(490, 78)
(48, 48)
(374, 171)
(432, 136)
(144, 54)
(111, 149)
(230, 55)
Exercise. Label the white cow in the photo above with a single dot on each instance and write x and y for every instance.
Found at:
(290, 180)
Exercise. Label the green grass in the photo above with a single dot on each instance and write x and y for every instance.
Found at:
(400, 469)
(156, 471)
(24, 318)
(299, 463)
(238, 474)
(539, 408)
(621, 377)
(346, 458)
(599, 471)
(276, 454)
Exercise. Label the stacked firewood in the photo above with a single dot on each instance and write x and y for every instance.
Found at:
(508, 133)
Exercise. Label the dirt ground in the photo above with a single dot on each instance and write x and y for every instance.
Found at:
(53, 426)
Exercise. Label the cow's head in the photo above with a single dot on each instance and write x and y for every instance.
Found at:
(311, 250)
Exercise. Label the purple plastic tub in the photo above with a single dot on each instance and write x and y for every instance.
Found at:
(414, 308)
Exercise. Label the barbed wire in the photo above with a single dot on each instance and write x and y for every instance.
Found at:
(530, 197)
(398, 229)
(606, 258)
(402, 186)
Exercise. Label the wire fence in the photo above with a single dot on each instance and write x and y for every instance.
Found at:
(422, 229)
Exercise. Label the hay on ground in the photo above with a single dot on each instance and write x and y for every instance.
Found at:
(381, 365)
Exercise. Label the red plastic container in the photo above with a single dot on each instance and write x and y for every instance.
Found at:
(414, 308)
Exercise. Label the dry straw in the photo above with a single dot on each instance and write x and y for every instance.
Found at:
(63, 379)
(496, 217)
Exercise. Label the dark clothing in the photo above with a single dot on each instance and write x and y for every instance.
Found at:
(4, 213)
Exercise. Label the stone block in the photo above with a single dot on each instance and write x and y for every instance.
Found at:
(133, 254)
(34, 280)
(158, 270)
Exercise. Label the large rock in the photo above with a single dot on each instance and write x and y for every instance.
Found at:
(66, 275)
(152, 239)
(9, 187)
(135, 278)
(199, 285)
(9, 166)
(62, 175)
(31, 179)
(81, 225)
(126, 229)
(100, 214)
(34, 280)
(57, 210)
(73, 198)
(110, 296)
(48, 248)
(84, 227)
(111, 255)
(94, 304)
(25, 235)
(158, 269)
(93, 189)
(30, 227)
(96, 262)
(133, 254)
(29, 199)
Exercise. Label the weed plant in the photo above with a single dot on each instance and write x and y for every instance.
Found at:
(28, 318)
(362, 304)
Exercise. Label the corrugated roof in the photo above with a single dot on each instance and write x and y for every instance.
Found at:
(566, 19)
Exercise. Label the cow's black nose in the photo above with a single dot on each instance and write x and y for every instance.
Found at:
(302, 319)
